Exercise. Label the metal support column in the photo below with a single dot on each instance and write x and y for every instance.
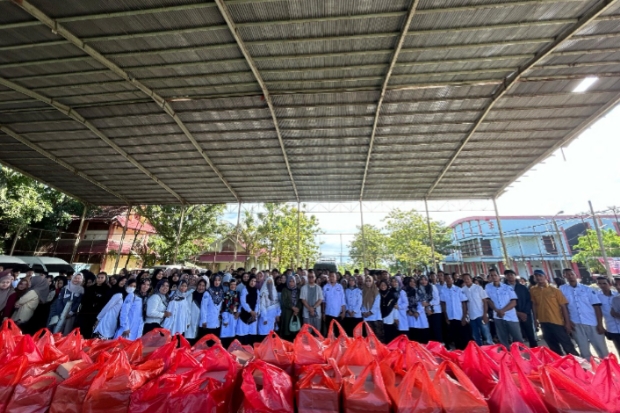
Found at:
(501, 236)
(298, 234)
(363, 236)
(79, 235)
(178, 240)
(238, 229)
(561, 241)
(435, 266)
(600, 239)
(120, 246)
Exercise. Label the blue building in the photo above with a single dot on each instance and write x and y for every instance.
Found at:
(532, 242)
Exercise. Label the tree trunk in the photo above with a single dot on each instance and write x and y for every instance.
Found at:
(17, 234)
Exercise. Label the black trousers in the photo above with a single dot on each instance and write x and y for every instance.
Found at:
(421, 335)
(435, 322)
(328, 321)
(615, 338)
(390, 332)
(527, 331)
(458, 334)
(150, 327)
(558, 339)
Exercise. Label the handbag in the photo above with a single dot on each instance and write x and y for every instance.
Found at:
(294, 325)
(247, 317)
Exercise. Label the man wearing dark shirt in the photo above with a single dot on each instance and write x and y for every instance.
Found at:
(524, 307)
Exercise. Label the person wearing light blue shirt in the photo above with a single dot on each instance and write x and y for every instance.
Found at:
(334, 304)
(584, 310)
(503, 300)
(612, 322)
(353, 297)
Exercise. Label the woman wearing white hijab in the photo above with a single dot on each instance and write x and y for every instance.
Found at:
(63, 310)
(179, 307)
(269, 309)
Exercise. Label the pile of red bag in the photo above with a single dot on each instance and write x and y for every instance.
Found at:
(315, 374)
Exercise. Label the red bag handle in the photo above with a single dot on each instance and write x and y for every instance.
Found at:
(341, 333)
(202, 343)
(310, 329)
(28, 382)
(157, 332)
(358, 331)
(44, 332)
(10, 325)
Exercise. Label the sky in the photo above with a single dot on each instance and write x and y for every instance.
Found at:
(589, 169)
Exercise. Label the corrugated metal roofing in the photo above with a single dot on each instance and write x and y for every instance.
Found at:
(297, 100)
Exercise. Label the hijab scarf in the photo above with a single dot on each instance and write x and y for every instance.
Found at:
(4, 294)
(164, 297)
(389, 298)
(369, 294)
(269, 293)
(425, 293)
(252, 297)
(196, 296)
(216, 293)
(75, 289)
(178, 295)
(294, 291)
(412, 295)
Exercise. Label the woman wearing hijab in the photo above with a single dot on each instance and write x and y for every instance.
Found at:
(192, 334)
(371, 307)
(291, 306)
(245, 279)
(179, 306)
(7, 294)
(28, 299)
(353, 314)
(95, 298)
(260, 280)
(156, 307)
(247, 327)
(107, 319)
(158, 275)
(389, 310)
(416, 315)
(211, 307)
(269, 309)
(131, 318)
(64, 309)
(428, 295)
(230, 314)
(403, 308)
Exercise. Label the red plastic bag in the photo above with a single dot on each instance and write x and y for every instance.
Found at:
(71, 345)
(357, 354)
(515, 394)
(11, 373)
(413, 392)
(366, 393)
(153, 396)
(28, 348)
(156, 338)
(199, 395)
(202, 343)
(183, 362)
(456, 392)
(573, 369)
(165, 353)
(377, 348)
(336, 346)
(562, 394)
(34, 394)
(43, 337)
(111, 389)
(274, 350)
(545, 355)
(480, 368)
(440, 351)
(266, 388)
(606, 381)
(525, 358)
(318, 389)
(70, 394)
(308, 348)
(242, 354)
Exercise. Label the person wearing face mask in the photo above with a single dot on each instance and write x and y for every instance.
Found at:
(131, 318)
(107, 319)
(179, 307)
(64, 308)
(95, 298)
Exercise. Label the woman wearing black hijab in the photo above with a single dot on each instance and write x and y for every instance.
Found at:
(95, 298)
(389, 299)
(247, 329)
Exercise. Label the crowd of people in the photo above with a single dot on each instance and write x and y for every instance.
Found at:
(247, 305)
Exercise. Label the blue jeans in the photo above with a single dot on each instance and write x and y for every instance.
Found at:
(480, 330)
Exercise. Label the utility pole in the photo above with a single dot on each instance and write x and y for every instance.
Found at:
(178, 240)
(430, 236)
(501, 235)
(560, 240)
(79, 235)
(600, 239)
(297, 264)
(237, 237)
(363, 235)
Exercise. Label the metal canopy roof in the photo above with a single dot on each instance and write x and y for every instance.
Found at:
(168, 101)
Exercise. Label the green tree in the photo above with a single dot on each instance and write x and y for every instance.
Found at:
(200, 228)
(375, 246)
(408, 242)
(590, 251)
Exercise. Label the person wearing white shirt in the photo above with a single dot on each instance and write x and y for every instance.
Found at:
(503, 300)
(389, 310)
(334, 304)
(371, 307)
(353, 298)
(584, 310)
(477, 309)
(606, 296)
(429, 294)
(454, 307)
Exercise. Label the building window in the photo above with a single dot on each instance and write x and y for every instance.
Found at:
(485, 245)
(550, 245)
(470, 248)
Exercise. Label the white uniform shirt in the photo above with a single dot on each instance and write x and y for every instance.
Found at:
(475, 296)
(501, 297)
(353, 298)
(581, 302)
(334, 299)
(612, 324)
(453, 297)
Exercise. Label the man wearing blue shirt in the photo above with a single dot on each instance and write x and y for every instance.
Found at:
(586, 316)
(612, 319)
(334, 303)
(503, 300)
